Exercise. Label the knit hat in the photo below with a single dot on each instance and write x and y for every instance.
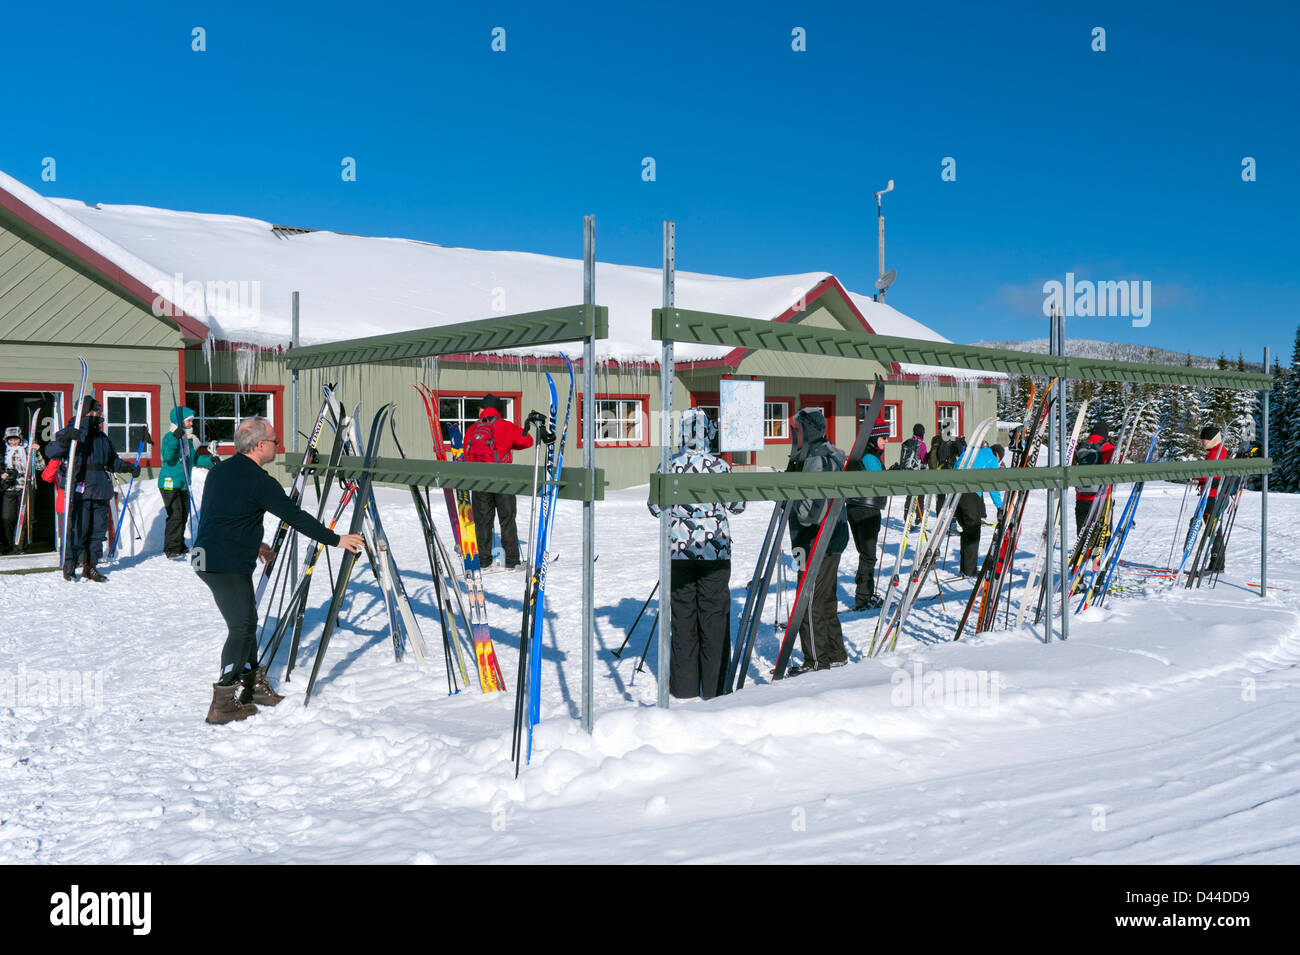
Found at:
(1209, 433)
(89, 404)
(13, 433)
(918, 430)
(998, 451)
(697, 431)
(881, 428)
(1101, 431)
(490, 401)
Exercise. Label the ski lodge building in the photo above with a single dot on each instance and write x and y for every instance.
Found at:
(141, 292)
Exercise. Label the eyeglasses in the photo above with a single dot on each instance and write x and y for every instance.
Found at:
(271, 440)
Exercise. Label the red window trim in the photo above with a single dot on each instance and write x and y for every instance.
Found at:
(790, 410)
(898, 417)
(819, 400)
(155, 414)
(613, 396)
(961, 415)
(277, 408)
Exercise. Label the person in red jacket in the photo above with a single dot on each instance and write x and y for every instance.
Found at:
(493, 439)
(1096, 449)
(1215, 450)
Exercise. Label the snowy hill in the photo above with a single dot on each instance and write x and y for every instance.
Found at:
(1164, 730)
(1115, 351)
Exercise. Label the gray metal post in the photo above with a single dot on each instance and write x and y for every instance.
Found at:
(588, 464)
(293, 426)
(1263, 501)
(1065, 491)
(1052, 495)
(666, 378)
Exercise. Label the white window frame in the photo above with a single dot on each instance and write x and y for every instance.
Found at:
(201, 417)
(128, 453)
(776, 428)
(890, 411)
(613, 411)
(460, 420)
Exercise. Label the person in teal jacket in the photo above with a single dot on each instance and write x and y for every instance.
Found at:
(179, 458)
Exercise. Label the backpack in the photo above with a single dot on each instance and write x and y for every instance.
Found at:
(1087, 454)
(480, 442)
(909, 459)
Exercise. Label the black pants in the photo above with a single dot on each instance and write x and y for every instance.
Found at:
(1102, 527)
(701, 601)
(488, 507)
(820, 636)
(87, 531)
(9, 518)
(864, 522)
(970, 514)
(177, 505)
(235, 600)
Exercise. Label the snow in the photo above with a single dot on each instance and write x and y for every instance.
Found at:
(1164, 730)
(237, 276)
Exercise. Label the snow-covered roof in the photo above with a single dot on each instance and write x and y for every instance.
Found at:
(236, 275)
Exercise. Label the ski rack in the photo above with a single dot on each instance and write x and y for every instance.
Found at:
(859, 354)
(583, 323)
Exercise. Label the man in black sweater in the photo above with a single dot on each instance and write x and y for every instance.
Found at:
(236, 496)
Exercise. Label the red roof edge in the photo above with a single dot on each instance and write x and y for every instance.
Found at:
(189, 326)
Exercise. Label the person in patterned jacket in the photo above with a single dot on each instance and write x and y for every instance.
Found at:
(701, 571)
(13, 478)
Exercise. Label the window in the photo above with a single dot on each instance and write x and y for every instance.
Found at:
(619, 419)
(776, 420)
(948, 412)
(219, 412)
(622, 421)
(457, 412)
(892, 412)
(126, 420)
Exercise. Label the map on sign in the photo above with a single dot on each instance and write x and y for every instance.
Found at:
(740, 427)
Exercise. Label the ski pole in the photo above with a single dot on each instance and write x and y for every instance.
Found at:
(649, 640)
(1177, 524)
(618, 655)
(889, 506)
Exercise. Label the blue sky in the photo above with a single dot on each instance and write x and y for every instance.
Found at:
(1124, 164)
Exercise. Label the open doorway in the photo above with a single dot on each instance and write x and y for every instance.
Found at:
(16, 409)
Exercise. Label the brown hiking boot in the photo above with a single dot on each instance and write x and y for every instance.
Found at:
(225, 708)
(258, 690)
(90, 573)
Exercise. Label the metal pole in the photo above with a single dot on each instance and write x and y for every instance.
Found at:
(666, 378)
(1051, 498)
(1263, 502)
(588, 464)
(293, 411)
(1065, 491)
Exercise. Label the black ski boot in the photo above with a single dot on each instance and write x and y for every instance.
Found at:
(871, 603)
(90, 573)
(69, 571)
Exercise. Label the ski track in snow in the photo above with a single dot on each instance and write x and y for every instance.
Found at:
(1164, 730)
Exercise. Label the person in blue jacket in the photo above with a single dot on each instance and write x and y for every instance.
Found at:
(864, 520)
(971, 512)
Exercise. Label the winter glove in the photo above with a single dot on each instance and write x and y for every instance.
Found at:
(547, 436)
(854, 464)
(534, 419)
(135, 469)
(793, 466)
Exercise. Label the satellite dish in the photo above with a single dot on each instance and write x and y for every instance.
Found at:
(886, 280)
